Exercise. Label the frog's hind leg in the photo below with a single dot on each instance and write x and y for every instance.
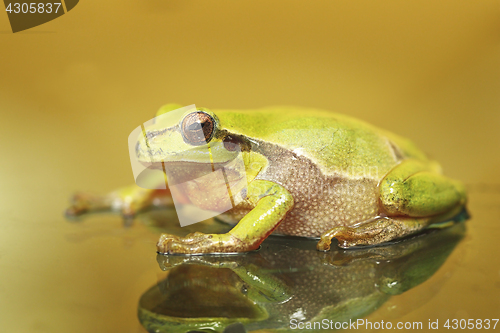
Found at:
(413, 196)
(417, 189)
(376, 231)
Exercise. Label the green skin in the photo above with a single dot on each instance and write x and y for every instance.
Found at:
(295, 158)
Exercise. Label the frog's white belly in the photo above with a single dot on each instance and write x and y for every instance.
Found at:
(320, 202)
(324, 206)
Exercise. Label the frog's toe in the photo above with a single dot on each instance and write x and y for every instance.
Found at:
(324, 244)
(74, 211)
(195, 243)
(82, 203)
(163, 244)
(79, 205)
(345, 238)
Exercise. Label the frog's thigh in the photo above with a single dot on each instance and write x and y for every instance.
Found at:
(413, 189)
(271, 202)
(413, 195)
(376, 231)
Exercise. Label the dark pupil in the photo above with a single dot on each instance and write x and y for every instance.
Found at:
(205, 129)
(196, 126)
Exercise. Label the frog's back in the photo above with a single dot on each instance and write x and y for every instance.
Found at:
(336, 143)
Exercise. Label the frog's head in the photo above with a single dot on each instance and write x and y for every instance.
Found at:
(193, 135)
(205, 164)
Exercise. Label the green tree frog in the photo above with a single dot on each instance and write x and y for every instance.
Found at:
(309, 173)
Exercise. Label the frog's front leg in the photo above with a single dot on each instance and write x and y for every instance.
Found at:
(413, 196)
(271, 202)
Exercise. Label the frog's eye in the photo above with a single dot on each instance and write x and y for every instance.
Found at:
(197, 128)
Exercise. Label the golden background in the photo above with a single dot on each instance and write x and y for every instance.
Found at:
(72, 90)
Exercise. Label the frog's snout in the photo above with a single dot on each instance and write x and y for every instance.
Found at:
(143, 145)
(143, 152)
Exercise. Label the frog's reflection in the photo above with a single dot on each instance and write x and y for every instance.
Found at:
(288, 282)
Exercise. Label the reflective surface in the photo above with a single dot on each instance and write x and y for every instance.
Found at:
(288, 283)
(73, 89)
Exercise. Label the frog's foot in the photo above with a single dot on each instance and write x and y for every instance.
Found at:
(373, 232)
(344, 236)
(379, 253)
(127, 201)
(82, 203)
(200, 243)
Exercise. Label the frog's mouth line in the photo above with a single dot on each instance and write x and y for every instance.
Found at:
(183, 164)
(190, 171)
